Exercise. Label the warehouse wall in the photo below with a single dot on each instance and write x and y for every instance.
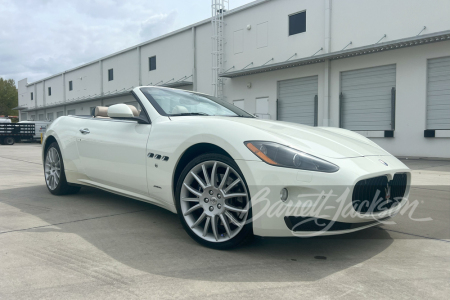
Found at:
(174, 59)
(411, 94)
(85, 80)
(56, 97)
(268, 37)
(397, 19)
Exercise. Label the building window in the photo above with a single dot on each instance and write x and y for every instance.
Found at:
(110, 75)
(71, 112)
(31, 95)
(49, 91)
(50, 116)
(41, 117)
(297, 23)
(152, 63)
(70, 85)
(32, 118)
(59, 114)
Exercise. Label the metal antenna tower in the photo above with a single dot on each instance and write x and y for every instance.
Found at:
(218, 9)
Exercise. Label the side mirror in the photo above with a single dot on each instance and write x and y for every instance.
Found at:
(120, 111)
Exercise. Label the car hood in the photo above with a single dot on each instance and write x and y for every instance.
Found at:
(329, 142)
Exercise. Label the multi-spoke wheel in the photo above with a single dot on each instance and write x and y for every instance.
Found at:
(55, 177)
(52, 168)
(213, 201)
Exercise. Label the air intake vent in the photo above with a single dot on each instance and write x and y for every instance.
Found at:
(377, 194)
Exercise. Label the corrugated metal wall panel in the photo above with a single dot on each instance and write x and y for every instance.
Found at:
(438, 93)
(367, 98)
(296, 100)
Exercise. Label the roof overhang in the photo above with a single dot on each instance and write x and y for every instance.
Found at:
(375, 48)
(19, 108)
(177, 84)
(82, 100)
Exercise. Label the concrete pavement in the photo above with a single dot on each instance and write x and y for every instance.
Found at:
(96, 245)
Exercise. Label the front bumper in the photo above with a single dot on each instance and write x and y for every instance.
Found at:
(315, 195)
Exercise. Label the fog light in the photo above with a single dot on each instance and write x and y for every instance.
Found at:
(284, 194)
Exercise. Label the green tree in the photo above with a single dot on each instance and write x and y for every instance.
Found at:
(8, 97)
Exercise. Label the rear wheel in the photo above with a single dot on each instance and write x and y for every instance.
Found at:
(8, 140)
(213, 202)
(55, 177)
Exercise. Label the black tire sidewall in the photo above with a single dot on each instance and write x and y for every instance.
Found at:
(245, 232)
(62, 187)
(9, 139)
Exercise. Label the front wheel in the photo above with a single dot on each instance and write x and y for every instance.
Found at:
(213, 202)
(55, 177)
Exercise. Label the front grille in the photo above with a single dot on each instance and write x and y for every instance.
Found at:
(369, 195)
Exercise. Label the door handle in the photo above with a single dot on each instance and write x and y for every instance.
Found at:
(85, 131)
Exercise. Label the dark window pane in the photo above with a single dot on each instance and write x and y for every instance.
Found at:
(152, 63)
(70, 85)
(31, 96)
(110, 75)
(297, 23)
(49, 91)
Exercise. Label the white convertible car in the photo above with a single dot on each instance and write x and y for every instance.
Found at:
(227, 174)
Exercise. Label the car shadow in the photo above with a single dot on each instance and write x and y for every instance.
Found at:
(151, 239)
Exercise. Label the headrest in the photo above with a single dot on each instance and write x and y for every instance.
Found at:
(134, 110)
(101, 111)
(179, 109)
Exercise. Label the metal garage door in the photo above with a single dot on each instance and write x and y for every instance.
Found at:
(297, 100)
(367, 99)
(438, 94)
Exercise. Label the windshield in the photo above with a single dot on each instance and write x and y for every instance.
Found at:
(171, 102)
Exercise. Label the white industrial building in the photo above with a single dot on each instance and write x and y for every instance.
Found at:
(378, 67)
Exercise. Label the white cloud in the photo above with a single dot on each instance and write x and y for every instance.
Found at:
(39, 38)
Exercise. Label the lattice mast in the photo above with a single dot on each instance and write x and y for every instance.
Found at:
(218, 9)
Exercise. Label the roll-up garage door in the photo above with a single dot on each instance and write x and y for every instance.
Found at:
(438, 94)
(367, 99)
(297, 100)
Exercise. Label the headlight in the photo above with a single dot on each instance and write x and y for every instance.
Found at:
(283, 156)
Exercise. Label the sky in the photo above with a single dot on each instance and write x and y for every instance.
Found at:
(39, 38)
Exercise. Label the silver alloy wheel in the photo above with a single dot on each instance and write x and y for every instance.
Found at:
(214, 201)
(52, 168)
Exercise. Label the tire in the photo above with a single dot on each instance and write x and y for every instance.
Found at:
(55, 177)
(8, 140)
(202, 202)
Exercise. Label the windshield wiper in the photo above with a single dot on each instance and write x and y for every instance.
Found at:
(190, 114)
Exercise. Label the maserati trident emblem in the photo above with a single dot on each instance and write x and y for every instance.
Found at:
(383, 162)
(388, 192)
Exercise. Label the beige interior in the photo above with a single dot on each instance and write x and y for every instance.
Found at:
(179, 109)
(102, 111)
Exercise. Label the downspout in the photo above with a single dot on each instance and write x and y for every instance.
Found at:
(194, 56)
(327, 66)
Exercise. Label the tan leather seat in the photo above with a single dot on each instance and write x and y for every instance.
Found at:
(179, 109)
(134, 110)
(101, 112)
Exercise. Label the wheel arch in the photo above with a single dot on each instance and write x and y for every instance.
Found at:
(189, 154)
(47, 142)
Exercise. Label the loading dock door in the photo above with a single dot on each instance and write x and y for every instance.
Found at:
(438, 93)
(367, 100)
(297, 99)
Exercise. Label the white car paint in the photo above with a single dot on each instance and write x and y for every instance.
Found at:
(113, 157)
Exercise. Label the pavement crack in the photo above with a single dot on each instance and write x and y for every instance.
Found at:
(416, 235)
(30, 162)
(75, 221)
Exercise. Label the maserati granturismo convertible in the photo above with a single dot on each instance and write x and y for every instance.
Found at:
(227, 174)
